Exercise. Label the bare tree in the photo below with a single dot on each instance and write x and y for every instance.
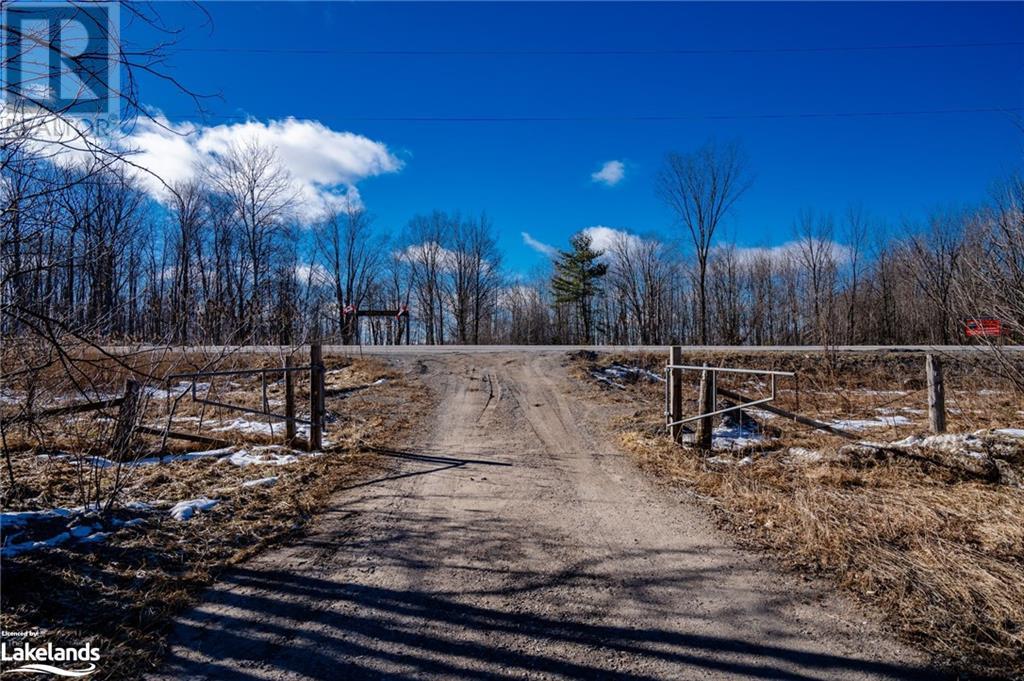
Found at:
(351, 257)
(261, 196)
(429, 261)
(816, 254)
(701, 188)
(475, 264)
(932, 258)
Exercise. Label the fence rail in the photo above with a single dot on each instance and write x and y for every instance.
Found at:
(674, 419)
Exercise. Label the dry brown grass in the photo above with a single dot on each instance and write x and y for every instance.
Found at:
(122, 594)
(939, 551)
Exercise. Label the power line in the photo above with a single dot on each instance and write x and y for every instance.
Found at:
(644, 118)
(589, 52)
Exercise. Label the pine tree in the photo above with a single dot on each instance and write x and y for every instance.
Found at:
(577, 280)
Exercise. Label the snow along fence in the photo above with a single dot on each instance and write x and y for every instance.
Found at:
(709, 390)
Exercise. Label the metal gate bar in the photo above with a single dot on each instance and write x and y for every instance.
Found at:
(191, 377)
(712, 377)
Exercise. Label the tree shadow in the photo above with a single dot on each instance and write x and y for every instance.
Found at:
(282, 625)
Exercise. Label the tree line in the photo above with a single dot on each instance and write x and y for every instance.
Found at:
(224, 259)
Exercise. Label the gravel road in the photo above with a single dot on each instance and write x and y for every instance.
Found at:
(512, 540)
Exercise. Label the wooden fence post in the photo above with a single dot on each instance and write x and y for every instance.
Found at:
(936, 395)
(126, 418)
(316, 397)
(289, 402)
(675, 393)
(705, 403)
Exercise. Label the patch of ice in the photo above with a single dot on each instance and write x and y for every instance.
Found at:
(1011, 432)
(184, 510)
(261, 482)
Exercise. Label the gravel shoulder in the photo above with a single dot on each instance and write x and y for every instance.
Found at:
(511, 539)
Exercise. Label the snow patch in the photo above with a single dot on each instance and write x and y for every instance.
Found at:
(732, 438)
(261, 482)
(24, 547)
(184, 510)
(803, 455)
(878, 422)
(616, 374)
(175, 391)
(22, 518)
(101, 462)
(267, 457)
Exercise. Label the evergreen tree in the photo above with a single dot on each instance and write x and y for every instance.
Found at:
(577, 280)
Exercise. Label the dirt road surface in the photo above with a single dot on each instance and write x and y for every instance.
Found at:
(512, 540)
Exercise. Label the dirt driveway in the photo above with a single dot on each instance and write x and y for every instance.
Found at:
(512, 541)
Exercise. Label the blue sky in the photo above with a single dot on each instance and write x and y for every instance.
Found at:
(593, 72)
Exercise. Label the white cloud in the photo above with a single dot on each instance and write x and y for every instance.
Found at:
(314, 273)
(324, 164)
(603, 238)
(428, 253)
(610, 174)
(539, 246)
(785, 253)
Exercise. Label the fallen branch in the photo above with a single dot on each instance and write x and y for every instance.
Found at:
(64, 411)
(805, 420)
(188, 437)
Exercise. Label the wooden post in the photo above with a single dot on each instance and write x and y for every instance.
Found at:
(316, 398)
(675, 393)
(936, 395)
(289, 402)
(126, 417)
(705, 403)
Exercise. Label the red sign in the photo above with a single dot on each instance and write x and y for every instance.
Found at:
(988, 326)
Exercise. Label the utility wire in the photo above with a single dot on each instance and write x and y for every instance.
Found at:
(645, 118)
(589, 52)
